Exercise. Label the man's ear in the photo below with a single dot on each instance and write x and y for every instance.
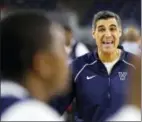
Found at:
(93, 34)
(120, 32)
(41, 64)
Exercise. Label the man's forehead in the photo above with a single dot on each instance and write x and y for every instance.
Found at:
(107, 22)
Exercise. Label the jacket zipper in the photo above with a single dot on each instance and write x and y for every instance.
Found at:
(109, 88)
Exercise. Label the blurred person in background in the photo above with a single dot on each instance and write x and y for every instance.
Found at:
(99, 78)
(33, 66)
(132, 40)
(73, 48)
(132, 110)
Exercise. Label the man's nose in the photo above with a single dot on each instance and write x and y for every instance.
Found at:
(107, 33)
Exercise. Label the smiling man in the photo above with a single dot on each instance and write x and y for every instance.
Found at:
(100, 78)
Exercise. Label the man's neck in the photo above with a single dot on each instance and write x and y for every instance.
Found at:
(35, 87)
(109, 57)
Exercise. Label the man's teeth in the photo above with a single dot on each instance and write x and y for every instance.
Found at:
(108, 42)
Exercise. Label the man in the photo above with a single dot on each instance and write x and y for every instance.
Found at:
(99, 78)
(132, 110)
(33, 66)
(132, 41)
(73, 48)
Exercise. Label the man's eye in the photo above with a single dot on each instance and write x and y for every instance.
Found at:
(112, 29)
(102, 30)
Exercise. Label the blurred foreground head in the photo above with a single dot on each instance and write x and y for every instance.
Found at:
(135, 90)
(32, 53)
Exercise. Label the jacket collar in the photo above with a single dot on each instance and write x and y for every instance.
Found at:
(122, 57)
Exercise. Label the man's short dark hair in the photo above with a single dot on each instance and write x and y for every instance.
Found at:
(23, 33)
(105, 15)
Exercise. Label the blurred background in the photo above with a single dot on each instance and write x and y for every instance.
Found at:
(78, 14)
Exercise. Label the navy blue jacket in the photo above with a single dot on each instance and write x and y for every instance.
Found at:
(98, 94)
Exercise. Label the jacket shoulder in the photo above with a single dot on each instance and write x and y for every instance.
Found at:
(130, 59)
(81, 61)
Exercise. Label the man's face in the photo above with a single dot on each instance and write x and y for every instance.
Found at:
(107, 34)
(52, 63)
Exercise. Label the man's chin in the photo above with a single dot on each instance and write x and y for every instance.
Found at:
(108, 51)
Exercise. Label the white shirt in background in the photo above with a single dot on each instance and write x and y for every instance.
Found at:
(81, 49)
(132, 47)
(127, 113)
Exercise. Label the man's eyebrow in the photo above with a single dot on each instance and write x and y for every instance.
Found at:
(113, 25)
(100, 26)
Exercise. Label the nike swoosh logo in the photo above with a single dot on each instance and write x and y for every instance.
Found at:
(90, 77)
